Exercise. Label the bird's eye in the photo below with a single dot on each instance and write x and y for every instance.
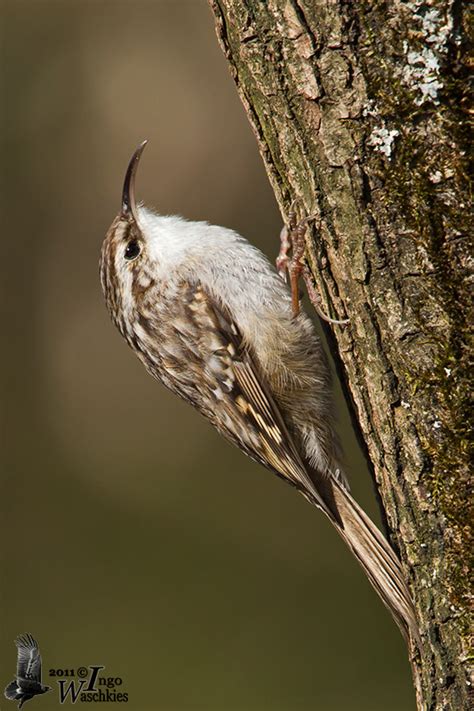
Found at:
(132, 250)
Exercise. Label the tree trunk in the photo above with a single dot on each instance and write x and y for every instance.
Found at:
(359, 111)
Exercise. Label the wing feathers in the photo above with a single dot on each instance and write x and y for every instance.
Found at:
(214, 370)
(277, 443)
(29, 658)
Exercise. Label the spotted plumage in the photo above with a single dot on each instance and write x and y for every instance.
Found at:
(208, 317)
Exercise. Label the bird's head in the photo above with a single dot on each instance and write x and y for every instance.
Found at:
(127, 263)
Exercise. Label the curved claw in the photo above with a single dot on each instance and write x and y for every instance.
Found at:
(328, 319)
(296, 201)
(305, 220)
(315, 299)
(292, 223)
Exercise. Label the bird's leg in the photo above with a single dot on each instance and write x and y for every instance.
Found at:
(292, 238)
(295, 267)
(283, 260)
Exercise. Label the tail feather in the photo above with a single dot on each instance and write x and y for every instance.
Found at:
(12, 691)
(376, 557)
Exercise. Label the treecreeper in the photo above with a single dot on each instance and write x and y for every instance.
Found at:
(211, 319)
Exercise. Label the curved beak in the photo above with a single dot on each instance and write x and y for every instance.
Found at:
(129, 206)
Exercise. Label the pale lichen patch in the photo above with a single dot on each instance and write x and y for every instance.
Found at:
(423, 64)
(382, 139)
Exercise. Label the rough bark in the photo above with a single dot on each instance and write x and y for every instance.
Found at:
(359, 110)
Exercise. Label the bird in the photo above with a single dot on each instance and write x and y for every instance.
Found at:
(27, 682)
(210, 318)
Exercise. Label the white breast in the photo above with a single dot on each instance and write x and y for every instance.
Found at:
(225, 263)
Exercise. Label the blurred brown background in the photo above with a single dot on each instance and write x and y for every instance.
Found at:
(132, 535)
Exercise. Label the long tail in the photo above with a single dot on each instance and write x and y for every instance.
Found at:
(374, 554)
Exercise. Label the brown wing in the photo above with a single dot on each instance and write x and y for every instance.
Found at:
(232, 394)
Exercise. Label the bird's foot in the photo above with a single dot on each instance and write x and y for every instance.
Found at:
(292, 238)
